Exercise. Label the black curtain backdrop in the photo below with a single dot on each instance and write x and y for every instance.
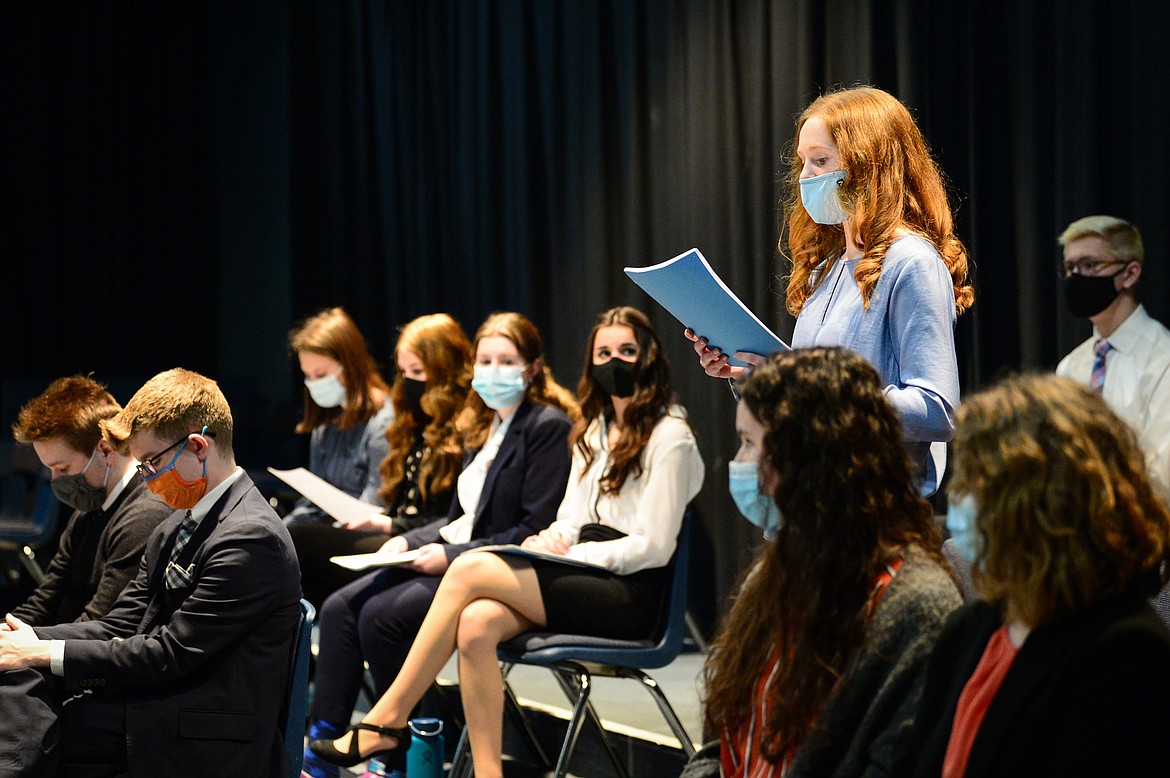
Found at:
(185, 182)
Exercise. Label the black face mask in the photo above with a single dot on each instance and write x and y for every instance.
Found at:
(1089, 295)
(615, 377)
(414, 390)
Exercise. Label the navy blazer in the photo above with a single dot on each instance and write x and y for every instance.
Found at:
(1090, 697)
(524, 485)
(204, 668)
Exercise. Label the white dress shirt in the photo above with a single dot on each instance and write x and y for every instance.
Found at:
(1137, 384)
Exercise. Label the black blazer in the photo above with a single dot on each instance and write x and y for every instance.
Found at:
(204, 668)
(1091, 697)
(524, 485)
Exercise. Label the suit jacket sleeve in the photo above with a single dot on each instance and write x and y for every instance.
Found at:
(546, 471)
(239, 581)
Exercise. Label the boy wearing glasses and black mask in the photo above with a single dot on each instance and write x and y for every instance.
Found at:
(188, 671)
(1127, 358)
(113, 512)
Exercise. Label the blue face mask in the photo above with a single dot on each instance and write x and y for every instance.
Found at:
(499, 386)
(326, 391)
(743, 480)
(819, 196)
(961, 514)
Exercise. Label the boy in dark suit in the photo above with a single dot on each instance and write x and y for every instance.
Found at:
(187, 673)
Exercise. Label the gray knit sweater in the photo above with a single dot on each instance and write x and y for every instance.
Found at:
(867, 718)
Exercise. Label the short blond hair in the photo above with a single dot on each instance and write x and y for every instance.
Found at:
(1125, 242)
(171, 405)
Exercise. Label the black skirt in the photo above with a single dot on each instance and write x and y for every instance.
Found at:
(598, 603)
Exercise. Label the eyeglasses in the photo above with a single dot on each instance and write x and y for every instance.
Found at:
(149, 467)
(1085, 266)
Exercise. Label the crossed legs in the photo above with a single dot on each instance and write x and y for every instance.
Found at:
(483, 599)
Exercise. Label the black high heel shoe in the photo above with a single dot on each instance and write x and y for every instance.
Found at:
(353, 755)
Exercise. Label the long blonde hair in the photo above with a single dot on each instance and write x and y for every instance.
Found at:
(892, 183)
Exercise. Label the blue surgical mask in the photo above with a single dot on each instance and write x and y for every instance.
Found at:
(326, 391)
(819, 196)
(499, 386)
(961, 514)
(743, 480)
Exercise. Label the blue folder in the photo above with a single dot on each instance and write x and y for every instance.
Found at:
(688, 288)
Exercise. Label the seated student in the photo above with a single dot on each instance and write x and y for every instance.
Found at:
(1061, 667)
(113, 512)
(635, 468)
(516, 424)
(187, 673)
(425, 454)
(347, 410)
(819, 663)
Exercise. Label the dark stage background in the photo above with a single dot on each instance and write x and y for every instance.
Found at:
(184, 181)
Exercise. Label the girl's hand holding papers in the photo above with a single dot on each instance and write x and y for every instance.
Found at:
(432, 559)
(714, 361)
(546, 542)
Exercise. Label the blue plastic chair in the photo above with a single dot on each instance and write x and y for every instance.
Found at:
(575, 659)
(297, 703)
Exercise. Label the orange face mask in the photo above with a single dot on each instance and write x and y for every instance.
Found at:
(173, 490)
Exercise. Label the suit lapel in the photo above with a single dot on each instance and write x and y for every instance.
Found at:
(159, 600)
(509, 448)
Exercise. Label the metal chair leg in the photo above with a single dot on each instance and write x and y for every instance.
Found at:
(576, 682)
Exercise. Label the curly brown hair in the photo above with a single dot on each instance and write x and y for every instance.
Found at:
(893, 184)
(476, 419)
(650, 402)
(1064, 501)
(442, 346)
(332, 333)
(849, 497)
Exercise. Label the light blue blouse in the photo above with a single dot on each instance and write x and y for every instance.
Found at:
(349, 460)
(907, 333)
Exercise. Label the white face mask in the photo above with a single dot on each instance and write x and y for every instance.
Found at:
(499, 386)
(819, 197)
(326, 391)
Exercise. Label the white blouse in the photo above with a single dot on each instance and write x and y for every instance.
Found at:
(470, 484)
(648, 509)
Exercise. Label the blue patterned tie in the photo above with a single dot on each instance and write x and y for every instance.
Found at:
(1097, 379)
(175, 575)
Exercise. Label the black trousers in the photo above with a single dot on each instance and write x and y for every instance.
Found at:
(44, 731)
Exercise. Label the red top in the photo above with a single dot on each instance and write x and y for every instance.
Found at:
(976, 697)
(742, 756)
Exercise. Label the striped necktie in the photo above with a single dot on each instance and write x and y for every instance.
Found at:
(175, 576)
(1097, 379)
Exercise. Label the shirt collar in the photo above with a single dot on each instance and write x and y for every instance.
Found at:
(1125, 338)
(203, 507)
(119, 487)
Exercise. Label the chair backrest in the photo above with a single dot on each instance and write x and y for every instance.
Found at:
(544, 648)
(297, 702)
(28, 510)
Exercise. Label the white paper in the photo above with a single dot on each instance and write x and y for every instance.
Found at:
(326, 496)
(376, 559)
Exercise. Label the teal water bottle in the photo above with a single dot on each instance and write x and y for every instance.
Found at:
(425, 757)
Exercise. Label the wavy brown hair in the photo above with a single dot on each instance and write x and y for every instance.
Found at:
(849, 497)
(1064, 501)
(475, 421)
(892, 183)
(442, 346)
(650, 402)
(332, 333)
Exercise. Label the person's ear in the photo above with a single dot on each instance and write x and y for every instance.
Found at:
(105, 448)
(1131, 275)
(199, 444)
(534, 369)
